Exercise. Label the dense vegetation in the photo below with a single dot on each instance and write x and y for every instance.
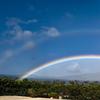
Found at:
(74, 90)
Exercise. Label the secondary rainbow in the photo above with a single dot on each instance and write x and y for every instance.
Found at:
(65, 59)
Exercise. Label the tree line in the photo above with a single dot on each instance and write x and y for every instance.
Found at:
(74, 90)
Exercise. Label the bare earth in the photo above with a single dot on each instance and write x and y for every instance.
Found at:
(22, 98)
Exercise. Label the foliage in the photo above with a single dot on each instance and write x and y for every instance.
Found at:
(74, 90)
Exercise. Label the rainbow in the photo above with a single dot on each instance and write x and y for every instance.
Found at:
(65, 59)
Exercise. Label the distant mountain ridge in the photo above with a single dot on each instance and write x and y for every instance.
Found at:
(80, 77)
(83, 77)
(9, 76)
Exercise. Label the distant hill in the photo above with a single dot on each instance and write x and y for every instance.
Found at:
(80, 77)
(9, 76)
(83, 77)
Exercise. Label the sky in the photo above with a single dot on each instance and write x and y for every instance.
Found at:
(34, 32)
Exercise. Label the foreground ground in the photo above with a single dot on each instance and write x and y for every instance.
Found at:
(22, 98)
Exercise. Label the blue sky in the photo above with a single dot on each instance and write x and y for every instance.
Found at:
(33, 32)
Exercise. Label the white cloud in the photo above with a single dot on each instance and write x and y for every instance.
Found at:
(23, 34)
(16, 30)
(12, 21)
(7, 55)
(31, 21)
(50, 31)
(25, 39)
(27, 33)
(28, 45)
(18, 33)
(15, 21)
